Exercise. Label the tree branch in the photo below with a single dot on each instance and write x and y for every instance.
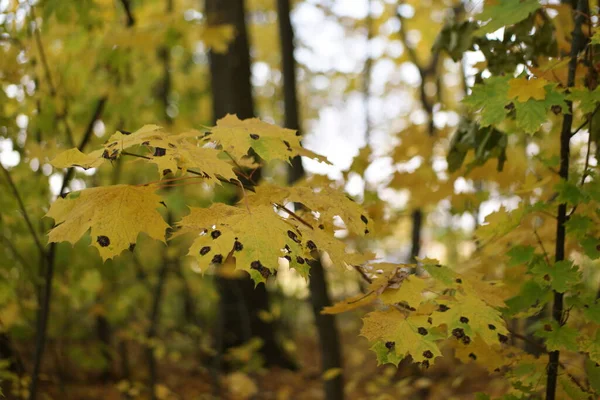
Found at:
(17, 196)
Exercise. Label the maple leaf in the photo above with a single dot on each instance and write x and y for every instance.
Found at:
(217, 37)
(561, 276)
(489, 356)
(558, 337)
(170, 153)
(256, 239)
(116, 215)
(505, 12)
(471, 315)
(402, 335)
(489, 97)
(269, 142)
(524, 89)
(326, 201)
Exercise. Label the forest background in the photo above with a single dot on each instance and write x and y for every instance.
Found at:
(441, 210)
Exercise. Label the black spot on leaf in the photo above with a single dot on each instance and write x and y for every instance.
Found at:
(466, 339)
(321, 226)
(254, 136)
(438, 265)
(293, 236)
(458, 333)
(238, 246)
(171, 145)
(217, 259)
(299, 260)
(110, 156)
(208, 133)
(364, 219)
(166, 172)
(492, 327)
(288, 258)
(390, 345)
(215, 234)
(502, 338)
(458, 280)
(443, 308)
(472, 356)
(422, 331)
(159, 152)
(146, 143)
(204, 250)
(311, 245)
(132, 247)
(366, 231)
(464, 320)
(124, 132)
(103, 241)
(255, 265)
(287, 144)
(425, 364)
(427, 354)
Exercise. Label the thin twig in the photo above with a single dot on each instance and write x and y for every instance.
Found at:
(293, 214)
(17, 196)
(539, 240)
(588, 120)
(362, 273)
(38, 42)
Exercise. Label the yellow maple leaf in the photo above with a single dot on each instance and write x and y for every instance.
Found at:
(404, 335)
(116, 215)
(524, 89)
(269, 141)
(218, 37)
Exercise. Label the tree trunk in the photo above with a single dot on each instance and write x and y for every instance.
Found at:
(326, 327)
(241, 303)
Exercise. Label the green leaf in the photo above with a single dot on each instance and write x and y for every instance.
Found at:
(578, 225)
(588, 99)
(570, 193)
(505, 12)
(592, 312)
(520, 255)
(489, 97)
(591, 247)
(559, 337)
(530, 115)
(561, 276)
(385, 355)
(592, 370)
(530, 300)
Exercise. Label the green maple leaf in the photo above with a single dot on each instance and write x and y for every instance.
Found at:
(505, 12)
(438, 271)
(531, 298)
(570, 193)
(520, 255)
(591, 346)
(530, 115)
(588, 99)
(578, 225)
(558, 337)
(561, 276)
(490, 98)
(592, 312)
(592, 370)
(591, 246)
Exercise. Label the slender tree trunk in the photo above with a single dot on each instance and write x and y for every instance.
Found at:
(577, 44)
(232, 93)
(326, 327)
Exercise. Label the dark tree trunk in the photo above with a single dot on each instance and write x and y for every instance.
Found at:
(241, 303)
(326, 327)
